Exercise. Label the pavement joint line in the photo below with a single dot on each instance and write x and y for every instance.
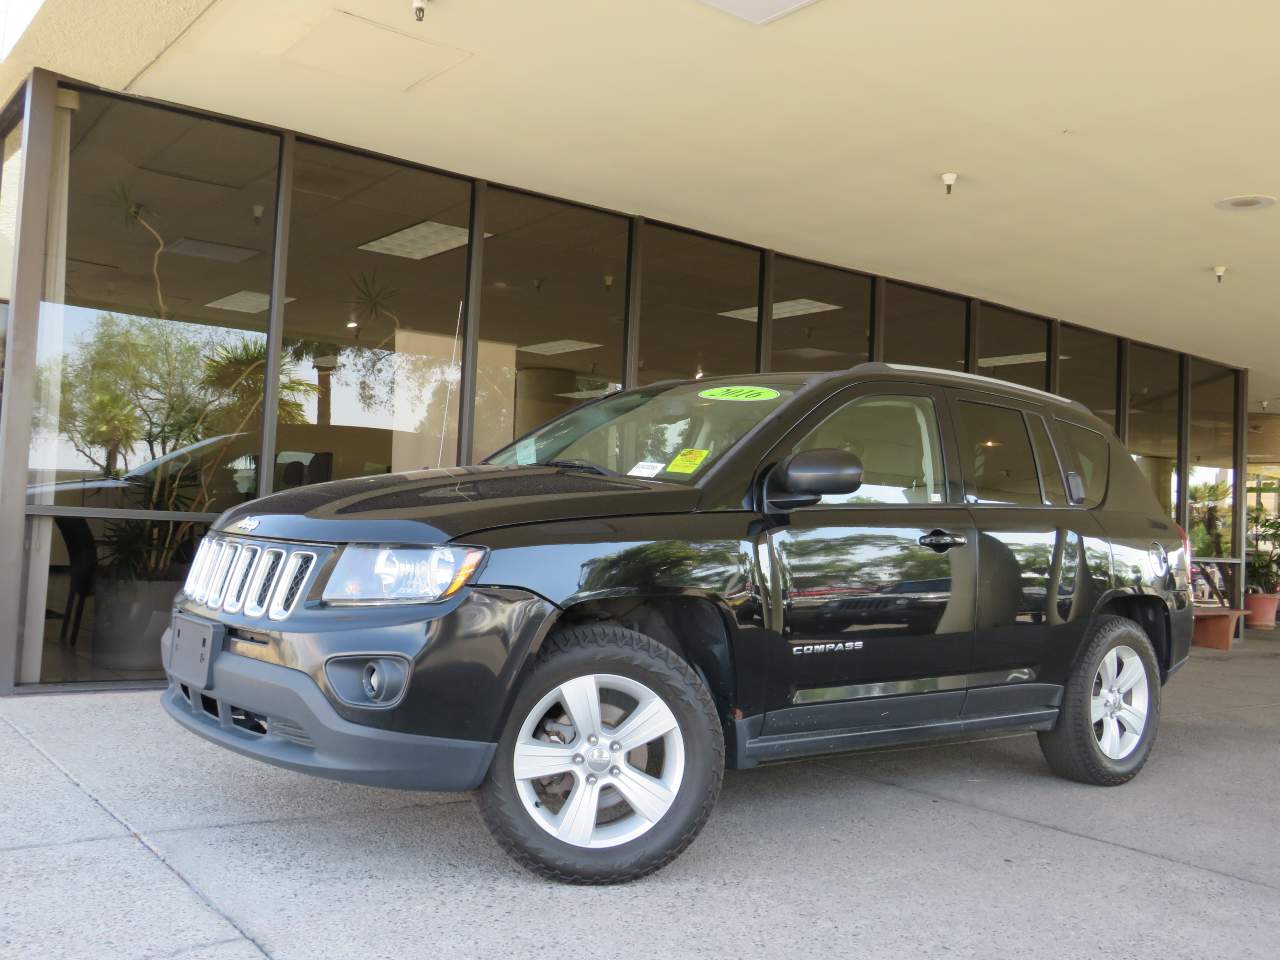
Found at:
(932, 795)
(187, 950)
(142, 840)
(345, 813)
(16, 847)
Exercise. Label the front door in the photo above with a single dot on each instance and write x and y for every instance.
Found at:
(877, 586)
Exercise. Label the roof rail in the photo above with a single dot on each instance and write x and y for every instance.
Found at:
(975, 378)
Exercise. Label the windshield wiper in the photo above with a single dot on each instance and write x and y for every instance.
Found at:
(581, 465)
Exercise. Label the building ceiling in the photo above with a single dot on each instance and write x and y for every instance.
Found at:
(1091, 139)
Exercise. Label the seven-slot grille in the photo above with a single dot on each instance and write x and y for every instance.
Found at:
(253, 577)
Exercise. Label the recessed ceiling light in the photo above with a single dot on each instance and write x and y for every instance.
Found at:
(211, 250)
(758, 11)
(246, 301)
(810, 353)
(782, 309)
(551, 347)
(1254, 201)
(421, 240)
(352, 324)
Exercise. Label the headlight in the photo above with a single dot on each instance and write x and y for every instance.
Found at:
(401, 574)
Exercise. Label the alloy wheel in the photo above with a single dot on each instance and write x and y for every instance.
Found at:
(1119, 703)
(599, 760)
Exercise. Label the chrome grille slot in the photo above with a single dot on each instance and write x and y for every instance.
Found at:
(197, 567)
(223, 573)
(238, 584)
(205, 582)
(264, 580)
(290, 584)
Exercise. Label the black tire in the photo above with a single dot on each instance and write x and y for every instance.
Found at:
(609, 649)
(1072, 747)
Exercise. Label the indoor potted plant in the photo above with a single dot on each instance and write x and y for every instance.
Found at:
(1264, 570)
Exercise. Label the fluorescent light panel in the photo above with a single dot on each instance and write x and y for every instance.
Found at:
(586, 394)
(799, 307)
(246, 301)
(422, 240)
(1012, 359)
(551, 347)
(758, 11)
(211, 250)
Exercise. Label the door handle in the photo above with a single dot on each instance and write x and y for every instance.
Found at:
(941, 541)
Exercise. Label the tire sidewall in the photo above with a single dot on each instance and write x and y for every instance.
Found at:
(701, 775)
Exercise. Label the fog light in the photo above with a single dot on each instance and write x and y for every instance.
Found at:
(373, 687)
(366, 681)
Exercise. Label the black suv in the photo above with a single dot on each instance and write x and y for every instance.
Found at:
(592, 624)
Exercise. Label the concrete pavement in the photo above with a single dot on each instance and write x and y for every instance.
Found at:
(122, 836)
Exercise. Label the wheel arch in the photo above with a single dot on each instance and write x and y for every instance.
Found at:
(1151, 613)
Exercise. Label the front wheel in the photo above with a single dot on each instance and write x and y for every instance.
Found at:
(1110, 708)
(610, 761)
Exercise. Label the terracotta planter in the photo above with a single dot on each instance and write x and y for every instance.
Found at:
(1215, 627)
(1261, 609)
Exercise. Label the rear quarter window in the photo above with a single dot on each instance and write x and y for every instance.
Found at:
(1092, 460)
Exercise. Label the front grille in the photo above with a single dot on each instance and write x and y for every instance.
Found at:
(257, 577)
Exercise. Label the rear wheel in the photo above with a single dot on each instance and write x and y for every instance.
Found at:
(1110, 708)
(610, 761)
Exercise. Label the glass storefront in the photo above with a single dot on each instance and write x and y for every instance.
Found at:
(158, 323)
(699, 303)
(924, 328)
(1153, 420)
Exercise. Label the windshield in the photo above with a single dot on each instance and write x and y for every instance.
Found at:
(673, 432)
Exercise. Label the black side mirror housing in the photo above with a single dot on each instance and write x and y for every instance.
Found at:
(805, 477)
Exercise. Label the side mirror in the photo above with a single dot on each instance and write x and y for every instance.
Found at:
(1075, 488)
(805, 477)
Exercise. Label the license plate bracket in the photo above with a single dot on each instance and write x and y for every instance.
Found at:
(195, 644)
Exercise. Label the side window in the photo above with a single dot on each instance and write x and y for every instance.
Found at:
(1092, 456)
(1055, 492)
(896, 437)
(996, 453)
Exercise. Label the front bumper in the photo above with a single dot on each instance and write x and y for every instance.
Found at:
(279, 715)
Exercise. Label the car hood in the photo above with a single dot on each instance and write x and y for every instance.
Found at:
(432, 506)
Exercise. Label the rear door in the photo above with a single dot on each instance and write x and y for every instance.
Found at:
(1037, 553)
(877, 586)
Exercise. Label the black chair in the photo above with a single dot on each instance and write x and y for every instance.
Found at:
(82, 567)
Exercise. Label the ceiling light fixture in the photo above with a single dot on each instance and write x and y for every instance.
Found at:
(758, 11)
(245, 301)
(1219, 272)
(211, 250)
(1012, 359)
(782, 309)
(1252, 201)
(949, 180)
(422, 240)
(551, 347)
(352, 324)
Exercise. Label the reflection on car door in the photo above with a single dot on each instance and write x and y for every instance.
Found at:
(877, 587)
(1042, 563)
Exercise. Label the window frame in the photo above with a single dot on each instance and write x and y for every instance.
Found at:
(823, 410)
(1026, 408)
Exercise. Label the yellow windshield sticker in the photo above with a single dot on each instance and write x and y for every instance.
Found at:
(687, 461)
(739, 393)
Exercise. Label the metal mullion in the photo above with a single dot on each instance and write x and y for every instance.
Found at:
(1182, 508)
(764, 312)
(1239, 479)
(112, 513)
(1122, 390)
(972, 321)
(471, 325)
(631, 323)
(275, 321)
(26, 292)
(1053, 379)
(879, 289)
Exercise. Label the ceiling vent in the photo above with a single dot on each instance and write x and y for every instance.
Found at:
(758, 11)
